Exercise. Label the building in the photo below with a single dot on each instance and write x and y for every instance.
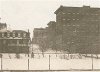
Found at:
(40, 37)
(3, 26)
(51, 35)
(15, 41)
(77, 29)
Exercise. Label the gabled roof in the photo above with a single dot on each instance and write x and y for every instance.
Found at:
(19, 31)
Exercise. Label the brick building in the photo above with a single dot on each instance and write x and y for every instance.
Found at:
(78, 29)
(51, 34)
(40, 37)
(15, 41)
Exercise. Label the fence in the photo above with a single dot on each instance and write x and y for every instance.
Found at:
(48, 61)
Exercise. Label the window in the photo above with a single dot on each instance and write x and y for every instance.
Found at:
(73, 19)
(77, 19)
(64, 25)
(68, 25)
(17, 41)
(24, 35)
(74, 25)
(74, 31)
(8, 34)
(2, 34)
(96, 14)
(4, 41)
(69, 13)
(73, 13)
(63, 13)
(64, 19)
(77, 13)
(13, 34)
(18, 34)
(68, 19)
(87, 14)
(77, 25)
(72, 42)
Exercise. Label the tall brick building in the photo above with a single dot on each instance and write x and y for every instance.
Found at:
(51, 35)
(78, 29)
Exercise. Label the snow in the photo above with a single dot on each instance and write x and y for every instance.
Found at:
(55, 61)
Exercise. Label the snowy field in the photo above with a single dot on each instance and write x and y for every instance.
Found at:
(48, 62)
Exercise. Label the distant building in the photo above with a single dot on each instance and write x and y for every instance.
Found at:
(3, 26)
(15, 41)
(51, 35)
(78, 29)
(40, 37)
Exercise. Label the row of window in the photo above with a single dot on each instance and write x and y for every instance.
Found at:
(14, 42)
(79, 19)
(70, 19)
(93, 26)
(83, 31)
(70, 13)
(13, 35)
(81, 13)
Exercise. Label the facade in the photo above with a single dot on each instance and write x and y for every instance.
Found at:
(40, 37)
(15, 41)
(78, 29)
(51, 35)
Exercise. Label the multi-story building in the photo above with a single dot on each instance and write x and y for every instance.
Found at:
(51, 35)
(78, 29)
(15, 41)
(40, 37)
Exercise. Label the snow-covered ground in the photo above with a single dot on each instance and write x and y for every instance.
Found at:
(48, 61)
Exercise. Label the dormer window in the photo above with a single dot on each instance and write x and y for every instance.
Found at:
(24, 35)
(13, 34)
(2, 34)
(18, 34)
(8, 34)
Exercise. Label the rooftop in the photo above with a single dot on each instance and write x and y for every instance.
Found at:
(68, 8)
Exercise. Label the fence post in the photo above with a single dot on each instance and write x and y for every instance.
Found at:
(1, 61)
(92, 60)
(28, 61)
(49, 62)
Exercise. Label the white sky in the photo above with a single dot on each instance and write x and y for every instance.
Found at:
(30, 14)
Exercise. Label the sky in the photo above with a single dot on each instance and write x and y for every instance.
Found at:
(30, 14)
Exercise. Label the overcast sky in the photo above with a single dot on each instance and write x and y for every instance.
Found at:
(30, 14)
